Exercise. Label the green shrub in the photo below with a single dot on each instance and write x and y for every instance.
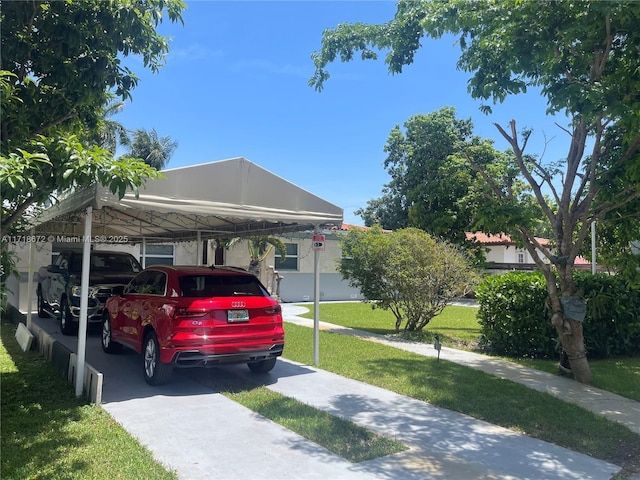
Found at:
(513, 317)
(612, 324)
(515, 322)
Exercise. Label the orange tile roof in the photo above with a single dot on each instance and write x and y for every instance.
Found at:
(498, 239)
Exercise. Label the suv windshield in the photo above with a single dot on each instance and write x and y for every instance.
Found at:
(220, 286)
(106, 262)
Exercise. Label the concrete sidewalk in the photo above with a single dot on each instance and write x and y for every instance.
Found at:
(614, 407)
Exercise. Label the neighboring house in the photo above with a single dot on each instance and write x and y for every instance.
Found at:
(502, 253)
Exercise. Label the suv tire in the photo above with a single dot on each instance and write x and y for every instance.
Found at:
(262, 366)
(155, 372)
(108, 345)
(67, 325)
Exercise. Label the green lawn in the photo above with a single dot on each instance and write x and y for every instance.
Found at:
(468, 391)
(459, 328)
(48, 433)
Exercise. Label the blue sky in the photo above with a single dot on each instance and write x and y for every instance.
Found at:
(235, 84)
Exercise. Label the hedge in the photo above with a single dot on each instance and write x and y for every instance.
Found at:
(515, 320)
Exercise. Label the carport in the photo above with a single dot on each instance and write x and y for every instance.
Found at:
(227, 198)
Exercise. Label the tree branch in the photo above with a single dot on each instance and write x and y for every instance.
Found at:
(513, 141)
(71, 114)
(17, 213)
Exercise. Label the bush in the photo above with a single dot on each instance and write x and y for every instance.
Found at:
(513, 316)
(612, 324)
(515, 322)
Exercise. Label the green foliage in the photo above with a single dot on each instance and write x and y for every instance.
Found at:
(513, 316)
(515, 320)
(429, 176)
(58, 163)
(60, 63)
(407, 272)
(612, 324)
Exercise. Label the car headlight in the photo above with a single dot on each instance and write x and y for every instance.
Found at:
(77, 291)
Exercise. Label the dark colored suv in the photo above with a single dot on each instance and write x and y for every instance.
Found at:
(59, 285)
(186, 316)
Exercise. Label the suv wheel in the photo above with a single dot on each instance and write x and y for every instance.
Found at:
(42, 312)
(155, 372)
(67, 325)
(262, 366)
(108, 345)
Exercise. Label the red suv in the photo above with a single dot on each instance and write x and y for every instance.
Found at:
(194, 317)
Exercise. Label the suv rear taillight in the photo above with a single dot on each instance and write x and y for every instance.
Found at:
(174, 311)
(273, 310)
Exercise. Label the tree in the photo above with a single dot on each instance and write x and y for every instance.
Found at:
(406, 271)
(583, 55)
(259, 248)
(425, 185)
(111, 133)
(153, 150)
(60, 62)
(430, 178)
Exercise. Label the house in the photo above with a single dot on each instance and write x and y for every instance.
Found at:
(502, 253)
(296, 271)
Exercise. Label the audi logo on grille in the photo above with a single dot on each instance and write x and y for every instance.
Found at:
(238, 304)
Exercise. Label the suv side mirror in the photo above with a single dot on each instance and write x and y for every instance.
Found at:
(55, 269)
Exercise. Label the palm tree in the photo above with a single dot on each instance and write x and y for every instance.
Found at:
(153, 150)
(259, 248)
(110, 133)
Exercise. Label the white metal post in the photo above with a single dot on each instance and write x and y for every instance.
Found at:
(144, 252)
(316, 307)
(84, 301)
(30, 280)
(198, 248)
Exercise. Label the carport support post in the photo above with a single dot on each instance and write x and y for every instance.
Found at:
(30, 280)
(316, 306)
(84, 301)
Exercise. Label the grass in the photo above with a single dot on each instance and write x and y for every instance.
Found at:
(458, 328)
(49, 433)
(470, 392)
(340, 436)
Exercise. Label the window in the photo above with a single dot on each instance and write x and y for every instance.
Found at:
(291, 262)
(150, 282)
(520, 257)
(157, 255)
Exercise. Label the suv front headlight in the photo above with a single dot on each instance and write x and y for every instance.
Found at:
(77, 291)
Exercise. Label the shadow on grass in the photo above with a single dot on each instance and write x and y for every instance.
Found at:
(36, 405)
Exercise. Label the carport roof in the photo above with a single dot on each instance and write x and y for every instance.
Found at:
(227, 198)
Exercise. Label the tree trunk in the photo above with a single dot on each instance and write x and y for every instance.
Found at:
(570, 331)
